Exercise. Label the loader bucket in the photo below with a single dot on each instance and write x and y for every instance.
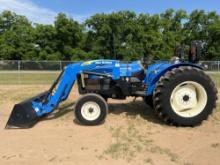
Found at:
(23, 115)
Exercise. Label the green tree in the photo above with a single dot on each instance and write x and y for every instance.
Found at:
(121, 35)
(45, 43)
(16, 38)
(213, 51)
(68, 35)
(111, 33)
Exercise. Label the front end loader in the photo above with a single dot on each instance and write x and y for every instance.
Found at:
(179, 91)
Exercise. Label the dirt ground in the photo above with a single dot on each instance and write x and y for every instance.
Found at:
(131, 134)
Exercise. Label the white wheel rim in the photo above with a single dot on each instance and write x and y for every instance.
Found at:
(90, 110)
(188, 99)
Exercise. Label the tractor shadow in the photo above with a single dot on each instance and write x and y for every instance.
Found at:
(61, 111)
(131, 109)
(134, 109)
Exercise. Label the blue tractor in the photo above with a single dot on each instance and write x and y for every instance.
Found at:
(180, 92)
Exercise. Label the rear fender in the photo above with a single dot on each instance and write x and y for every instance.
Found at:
(155, 71)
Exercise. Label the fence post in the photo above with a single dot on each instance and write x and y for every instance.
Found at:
(19, 65)
(60, 65)
(218, 66)
(19, 74)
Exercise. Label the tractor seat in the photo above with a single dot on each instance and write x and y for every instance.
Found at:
(137, 71)
(140, 75)
(134, 70)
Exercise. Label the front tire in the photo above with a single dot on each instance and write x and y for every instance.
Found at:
(185, 96)
(91, 109)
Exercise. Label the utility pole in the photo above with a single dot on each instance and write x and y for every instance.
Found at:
(112, 45)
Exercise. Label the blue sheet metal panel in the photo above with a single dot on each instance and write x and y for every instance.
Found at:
(155, 71)
(111, 67)
(128, 69)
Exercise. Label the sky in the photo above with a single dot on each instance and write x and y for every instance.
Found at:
(44, 11)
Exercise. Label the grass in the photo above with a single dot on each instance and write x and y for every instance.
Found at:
(130, 143)
(149, 161)
(19, 93)
(27, 77)
(47, 77)
(215, 77)
(215, 145)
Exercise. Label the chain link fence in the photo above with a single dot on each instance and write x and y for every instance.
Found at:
(8, 65)
(45, 72)
(33, 65)
(211, 65)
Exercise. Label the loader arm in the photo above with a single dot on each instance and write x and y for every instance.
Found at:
(59, 91)
(27, 113)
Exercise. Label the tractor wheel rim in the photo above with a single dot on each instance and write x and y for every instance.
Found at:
(90, 110)
(188, 99)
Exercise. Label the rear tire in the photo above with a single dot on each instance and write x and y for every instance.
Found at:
(185, 96)
(91, 109)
